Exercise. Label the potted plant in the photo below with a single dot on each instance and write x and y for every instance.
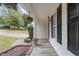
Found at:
(29, 19)
(30, 28)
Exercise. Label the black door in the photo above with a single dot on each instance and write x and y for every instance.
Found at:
(73, 28)
(59, 24)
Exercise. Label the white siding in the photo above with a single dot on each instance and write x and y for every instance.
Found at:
(62, 49)
(42, 29)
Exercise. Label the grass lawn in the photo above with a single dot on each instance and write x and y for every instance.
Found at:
(15, 31)
(6, 42)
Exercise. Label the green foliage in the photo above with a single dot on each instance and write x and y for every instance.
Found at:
(24, 16)
(30, 30)
(12, 17)
(1, 20)
(29, 19)
(16, 19)
(6, 20)
(10, 5)
(30, 26)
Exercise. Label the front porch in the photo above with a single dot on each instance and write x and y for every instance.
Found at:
(43, 48)
(56, 28)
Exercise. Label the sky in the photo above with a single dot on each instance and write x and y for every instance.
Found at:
(20, 9)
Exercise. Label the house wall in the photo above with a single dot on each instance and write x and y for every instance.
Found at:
(42, 29)
(61, 49)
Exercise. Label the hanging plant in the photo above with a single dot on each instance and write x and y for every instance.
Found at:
(29, 19)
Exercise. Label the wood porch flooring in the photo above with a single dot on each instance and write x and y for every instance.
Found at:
(43, 49)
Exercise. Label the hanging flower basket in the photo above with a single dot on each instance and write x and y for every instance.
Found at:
(29, 19)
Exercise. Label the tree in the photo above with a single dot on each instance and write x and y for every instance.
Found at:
(4, 16)
(16, 19)
(10, 5)
(6, 20)
(24, 16)
(12, 17)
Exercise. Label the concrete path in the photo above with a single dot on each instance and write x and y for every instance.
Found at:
(43, 49)
(12, 34)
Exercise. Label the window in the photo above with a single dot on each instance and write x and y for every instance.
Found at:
(59, 24)
(54, 25)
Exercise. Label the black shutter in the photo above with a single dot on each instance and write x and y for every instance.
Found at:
(73, 27)
(59, 24)
(48, 29)
(52, 26)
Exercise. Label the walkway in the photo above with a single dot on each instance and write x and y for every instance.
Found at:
(44, 49)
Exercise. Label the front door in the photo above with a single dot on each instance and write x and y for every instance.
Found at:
(73, 27)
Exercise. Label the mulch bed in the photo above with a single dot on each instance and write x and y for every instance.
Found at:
(19, 50)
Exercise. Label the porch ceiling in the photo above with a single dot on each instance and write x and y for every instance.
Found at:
(43, 10)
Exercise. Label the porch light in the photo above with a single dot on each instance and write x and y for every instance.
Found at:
(49, 19)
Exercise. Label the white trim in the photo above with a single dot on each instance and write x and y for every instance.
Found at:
(61, 51)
